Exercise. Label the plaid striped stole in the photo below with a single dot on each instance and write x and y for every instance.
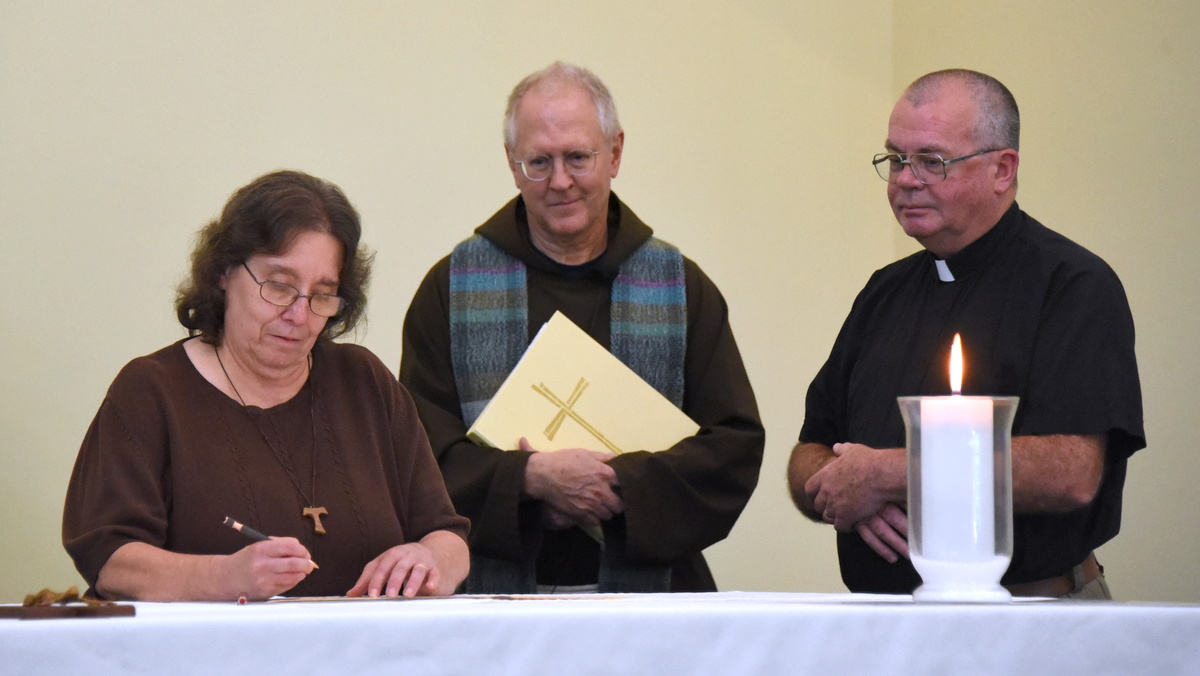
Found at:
(489, 319)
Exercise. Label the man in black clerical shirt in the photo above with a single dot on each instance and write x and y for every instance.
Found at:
(1044, 319)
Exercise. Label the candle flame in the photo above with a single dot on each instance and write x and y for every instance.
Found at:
(956, 365)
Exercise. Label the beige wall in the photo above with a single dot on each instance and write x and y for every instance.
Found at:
(125, 125)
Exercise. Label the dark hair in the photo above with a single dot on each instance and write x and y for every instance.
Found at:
(998, 121)
(263, 218)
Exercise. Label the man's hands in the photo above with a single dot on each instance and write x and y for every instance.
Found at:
(857, 483)
(859, 488)
(886, 532)
(576, 485)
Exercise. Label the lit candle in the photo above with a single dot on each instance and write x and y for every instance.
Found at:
(957, 505)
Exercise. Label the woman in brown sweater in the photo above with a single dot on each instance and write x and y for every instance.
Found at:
(261, 417)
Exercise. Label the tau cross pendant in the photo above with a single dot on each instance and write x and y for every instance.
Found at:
(315, 513)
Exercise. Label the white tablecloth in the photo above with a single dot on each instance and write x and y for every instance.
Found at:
(726, 633)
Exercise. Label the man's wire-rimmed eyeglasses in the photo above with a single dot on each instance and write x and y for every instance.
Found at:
(577, 162)
(926, 167)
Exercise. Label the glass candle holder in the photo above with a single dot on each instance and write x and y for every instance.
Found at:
(960, 495)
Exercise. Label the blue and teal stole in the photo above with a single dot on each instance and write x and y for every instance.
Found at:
(489, 319)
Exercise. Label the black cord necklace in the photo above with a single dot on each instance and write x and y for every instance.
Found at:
(312, 511)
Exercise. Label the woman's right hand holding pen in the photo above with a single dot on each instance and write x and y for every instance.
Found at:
(142, 572)
(268, 568)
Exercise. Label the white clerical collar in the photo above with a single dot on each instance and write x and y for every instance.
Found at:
(943, 271)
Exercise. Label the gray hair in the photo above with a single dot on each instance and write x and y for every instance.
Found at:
(998, 122)
(606, 108)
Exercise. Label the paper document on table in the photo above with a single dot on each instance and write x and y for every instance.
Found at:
(567, 391)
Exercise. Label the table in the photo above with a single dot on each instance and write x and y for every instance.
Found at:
(728, 633)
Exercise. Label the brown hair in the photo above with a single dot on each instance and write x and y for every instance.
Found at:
(263, 218)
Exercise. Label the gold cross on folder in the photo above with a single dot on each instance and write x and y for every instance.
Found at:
(559, 417)
(566, 410)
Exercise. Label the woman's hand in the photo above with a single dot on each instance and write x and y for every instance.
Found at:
(268, 568)
(143, 572)
(409, 570)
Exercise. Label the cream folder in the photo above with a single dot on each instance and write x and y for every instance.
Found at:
(567, 391)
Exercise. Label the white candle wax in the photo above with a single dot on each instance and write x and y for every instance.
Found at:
(957, 506)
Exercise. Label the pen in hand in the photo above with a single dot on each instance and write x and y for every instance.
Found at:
(253, 534)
